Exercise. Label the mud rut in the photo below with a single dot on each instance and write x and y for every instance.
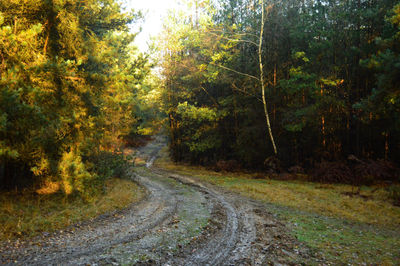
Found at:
(181, 221)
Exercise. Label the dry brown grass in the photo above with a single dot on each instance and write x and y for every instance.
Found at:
(25, 214)
(372, 206)
(347, 229)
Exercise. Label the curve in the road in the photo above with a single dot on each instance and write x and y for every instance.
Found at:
(238, 239)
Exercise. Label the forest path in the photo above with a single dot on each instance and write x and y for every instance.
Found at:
(181, 221)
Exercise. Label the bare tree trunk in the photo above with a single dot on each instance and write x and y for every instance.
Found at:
(262, 79)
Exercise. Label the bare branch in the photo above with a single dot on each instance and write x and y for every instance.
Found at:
(240, 34)
(248, 33)
(236, 40)
(237, 72)
(245, 92)
(209, 95)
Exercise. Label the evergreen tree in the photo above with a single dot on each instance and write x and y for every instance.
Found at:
(67, 86)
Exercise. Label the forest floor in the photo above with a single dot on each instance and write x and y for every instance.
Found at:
(25, 214)
(187, 218)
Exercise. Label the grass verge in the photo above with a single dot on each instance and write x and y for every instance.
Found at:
(25, 214)
(345, 229)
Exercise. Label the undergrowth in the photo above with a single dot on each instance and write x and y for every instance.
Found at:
(26, 213)
(86, 188)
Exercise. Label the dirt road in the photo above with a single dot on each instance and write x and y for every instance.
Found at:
(181, 221)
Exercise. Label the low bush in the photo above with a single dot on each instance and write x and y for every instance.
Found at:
(109, 164)
(228, 166)
(86, 177)
(370, 171)
(296, 169)
(273, 165)
(332, 172)
(74, 175)
(355, 171)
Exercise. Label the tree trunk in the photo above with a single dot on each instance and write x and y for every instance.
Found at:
(262, 79)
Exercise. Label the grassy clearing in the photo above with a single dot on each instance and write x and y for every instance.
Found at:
(25, 214)
(345, 229)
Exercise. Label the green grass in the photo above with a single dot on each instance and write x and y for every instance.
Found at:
(346, 229)
(25, 214)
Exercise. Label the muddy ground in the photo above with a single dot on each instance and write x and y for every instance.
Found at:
(181, 221)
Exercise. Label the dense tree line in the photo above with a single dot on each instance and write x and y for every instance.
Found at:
(330, 68)
(68, 89)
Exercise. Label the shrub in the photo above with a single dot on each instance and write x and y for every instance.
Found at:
(273, 165)
(332, 172)
(296, 169)
(108, 164)
(355, 172)
(370, 171)
(228, 166)
(74, 175)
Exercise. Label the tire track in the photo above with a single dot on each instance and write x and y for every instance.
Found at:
(234, 243)
(135, 222)
(219, 247)
(241, 231)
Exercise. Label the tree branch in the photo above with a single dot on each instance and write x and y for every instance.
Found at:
(209, 95)
(245, 92)
(237, 72)
(242, 34)
(236, 40)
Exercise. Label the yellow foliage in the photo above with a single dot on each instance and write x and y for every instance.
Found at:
(49, 188)
(73, 173)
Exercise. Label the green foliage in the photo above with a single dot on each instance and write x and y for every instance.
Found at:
(108, 165)
(197, 114)
(331, 74)
(73, 174)
(68, 81)
(200, 124)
